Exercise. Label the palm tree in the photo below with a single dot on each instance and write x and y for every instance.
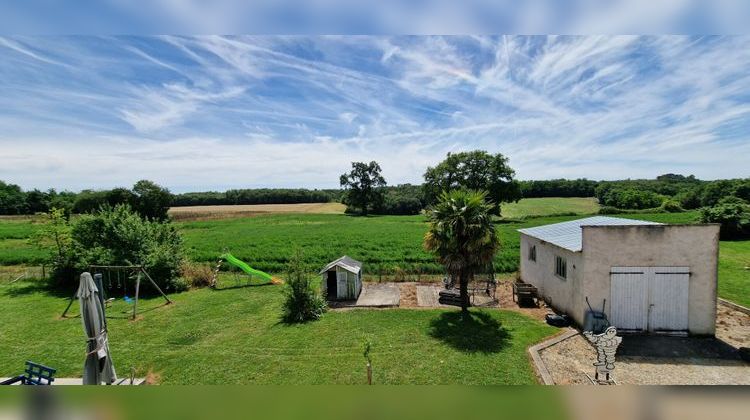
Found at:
(462, 236)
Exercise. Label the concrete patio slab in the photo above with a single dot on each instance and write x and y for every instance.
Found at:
(379, 295)
(427, 296)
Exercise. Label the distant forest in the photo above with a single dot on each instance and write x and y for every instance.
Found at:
(670, 192)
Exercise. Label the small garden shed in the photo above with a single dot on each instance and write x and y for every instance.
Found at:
(342, 279)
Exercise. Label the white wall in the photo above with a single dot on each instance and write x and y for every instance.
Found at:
(563, 294)
(694, 246)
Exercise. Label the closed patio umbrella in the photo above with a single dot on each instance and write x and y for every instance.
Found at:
(98, 367)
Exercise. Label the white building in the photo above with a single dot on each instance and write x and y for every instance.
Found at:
(342, 279)
(654, 277)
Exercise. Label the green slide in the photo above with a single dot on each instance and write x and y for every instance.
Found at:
(231, 259)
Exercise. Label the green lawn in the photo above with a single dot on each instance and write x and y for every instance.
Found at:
(535, 207)
(734, 271)
(234, 336)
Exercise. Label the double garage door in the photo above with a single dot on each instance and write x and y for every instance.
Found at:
(650, 298)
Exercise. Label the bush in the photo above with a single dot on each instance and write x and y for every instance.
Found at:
(689, 199)
(399, 205)
(119, 236)
(615, 210)
(302, 302)
(671, 206)
(629, 198)
(734, 216)
(197, 275)
(714, 191)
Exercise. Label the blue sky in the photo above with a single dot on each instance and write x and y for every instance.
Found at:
(210, 112)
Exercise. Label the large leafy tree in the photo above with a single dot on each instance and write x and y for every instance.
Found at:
(733, 214)
(363, 186)
(12, 199)
(151, 200)
(476, 170)
(462, 236)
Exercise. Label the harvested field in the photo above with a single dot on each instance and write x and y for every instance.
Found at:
(242, 210)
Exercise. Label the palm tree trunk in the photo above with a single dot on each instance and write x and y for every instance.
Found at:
(464, 289)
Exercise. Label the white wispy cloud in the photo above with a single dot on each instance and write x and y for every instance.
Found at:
(224, 112)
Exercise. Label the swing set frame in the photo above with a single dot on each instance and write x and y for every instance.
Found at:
(140, 273)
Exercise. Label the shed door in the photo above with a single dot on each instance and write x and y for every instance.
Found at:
(629, 291)
(342, 290)
(669, 299)
(650, 298)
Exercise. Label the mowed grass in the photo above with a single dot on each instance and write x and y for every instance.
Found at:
(734, 271)
(235, 337)
(535, 207)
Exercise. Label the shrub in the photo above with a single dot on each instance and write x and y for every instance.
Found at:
(197, 275)
(671, 206)
(615, 210)
(119, 236)
(743, 190)
(302, 302)
(398, 205)
(714, 191)
(689, 199)
(54, 236)
(611, 210)
(733, 214)
(630, 198)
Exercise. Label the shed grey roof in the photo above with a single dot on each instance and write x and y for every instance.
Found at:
(569, 235)
(345, 262)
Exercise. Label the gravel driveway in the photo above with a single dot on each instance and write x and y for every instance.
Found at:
(659, 360)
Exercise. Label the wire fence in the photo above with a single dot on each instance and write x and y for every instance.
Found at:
(12, 274)
(403, 276)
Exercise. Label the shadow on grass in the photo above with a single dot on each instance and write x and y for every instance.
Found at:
(480, 333)
(29, 288)
(242, 286)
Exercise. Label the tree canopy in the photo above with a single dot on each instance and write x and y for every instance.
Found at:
(476, 170)
(363, 186)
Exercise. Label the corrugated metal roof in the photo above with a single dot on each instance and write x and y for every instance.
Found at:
(345, 262)
(569, 235)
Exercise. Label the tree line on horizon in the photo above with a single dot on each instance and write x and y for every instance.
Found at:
(477, 170)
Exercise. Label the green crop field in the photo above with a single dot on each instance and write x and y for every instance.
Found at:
(535, 207)
(381, 242)
(14, 241)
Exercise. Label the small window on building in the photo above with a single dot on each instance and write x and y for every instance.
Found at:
(561, 267)
(532, 253)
